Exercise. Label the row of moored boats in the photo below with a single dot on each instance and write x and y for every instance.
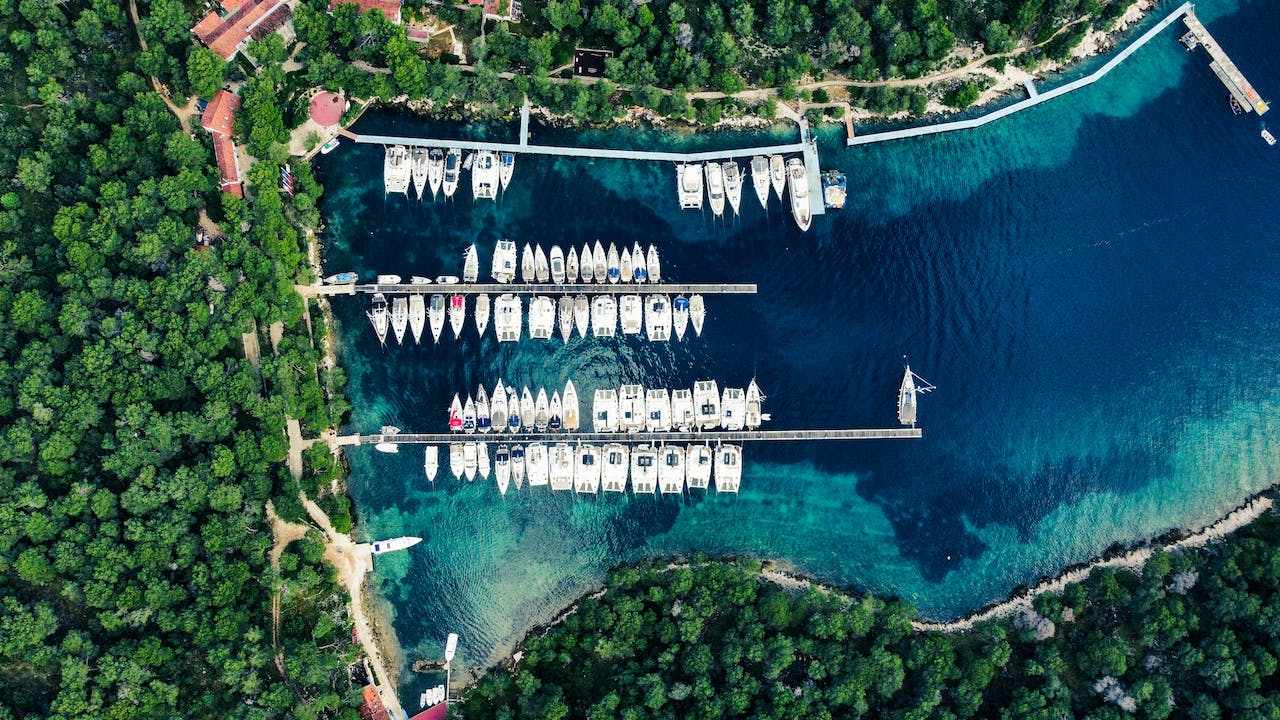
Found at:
(441, 170)
(633, 265)
(722, 182)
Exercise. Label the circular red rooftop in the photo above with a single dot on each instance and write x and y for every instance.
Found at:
(326, 108)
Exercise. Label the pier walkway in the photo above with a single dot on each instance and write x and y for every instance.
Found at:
(533, 289)
(705, 436)
(1033, 100)
(1224, 68)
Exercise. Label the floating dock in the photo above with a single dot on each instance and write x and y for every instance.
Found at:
(705, 436)
(1224, 68)
(532, 289)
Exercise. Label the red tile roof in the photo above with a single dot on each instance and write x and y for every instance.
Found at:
(223, 30)
(435, 712)
(372, 707)
(390, 8)
(225, 152)
(218, 117)
(220, 112)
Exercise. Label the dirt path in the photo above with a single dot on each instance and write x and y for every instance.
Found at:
(282, 533)
(183, 114)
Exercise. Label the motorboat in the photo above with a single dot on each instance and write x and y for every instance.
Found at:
(564, 315)
(586, 264)
(644, 470)
(582, 314)
(689, 184)
(342, 278)
(632, 312)
(455, 414)
(631, 408)
(514, 421)
(542, 317)
(754, 415)
(907, 394)
(614, 473)
(526, 264)
(452, 161)
(555, 412)
(417, 316)
(470, 264)
(835, 189)
(469, 416)
(604, 411)
(715, 187)
(728, 468)
(586, 473)
(431, 462)
(571, 265)
(507, 318)
(469, 461)
(387, 280)
(419, 280)
(506, 166)
(483, 421)
(557, 265)
(377, 314)
(447, 280)
(455, 460)
(330, 146)
(527, 408)
(396, 168)
(562, 462)
(697, 313)
(733, 184)
(457, 313)
(697, 466)
(682, 415)
(624, 267)
(482, 460)
(671, 470)
(435, 170)
(484, 175)
(653, 266)
(517, 466)
(613, 265)
(733, 409)
(657, 409)
(639, 269)
(498, 408)
(799, 190)
(680, 316)
(570, 406)
(502, 468)
(706, 404)
(540, 268)
(535, 464)
(604, 316)
(760, 179)
(503, 268)
(601, 263)
(482, 313)
(419, 170)
(777, 174)
(657, 318)
(541, 411)
(435, 316)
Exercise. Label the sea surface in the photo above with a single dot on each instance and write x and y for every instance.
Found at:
(1091, 284)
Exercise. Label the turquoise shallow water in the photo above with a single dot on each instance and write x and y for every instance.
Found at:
(1091, 284)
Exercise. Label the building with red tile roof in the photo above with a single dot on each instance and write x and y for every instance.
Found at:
(218, 117)
(372, 707)
(233, 22)
(389, 8)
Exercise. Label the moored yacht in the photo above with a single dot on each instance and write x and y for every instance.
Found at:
(604, 411)
(502, 468)
(631, 408)
(639, 268)
(377, 313)
(689, 184)
(586, 473)
(799, 187)
(435, 316)
(562, 462)
(777, 174)
(542, 317)
(540, 268)
(680, 316)
(469, 461)
(435, 170)
(417, 316)
(482, 313)
(760, 179)
(452, 163)
(503, 269)
(706, 404)
(754, 415)
(907, 393)
(506, 166)
(682, 415)
(541, 411)
(657, 318)
(733, 184)
(526, 264)
(653, 266)
(455, 414)
(644, 470)
(483, 422)
(498, 408)
(555, 421)
(657, 408)
(469, 416)
(604, 316)
(457, 314)
(419, 170)
(482, 460)
(484, 176)
(715, 187)
(613, 265)
(557, 265)
(697, 314)
(571, 265)
(564, 315)
(507, 318)
(697, 465)
(396, 169)
(728, 468)
(614, 473)
(431, 462)
(571, 417)
(733, 408)
(470, 264)
(535, 464)
(600, 260)
(671, 470)
(455, 460)
(527, 408)
(517, 466)
(632, 312)
(514, 421)
(624, 267)
(582, 315)
(587, 263)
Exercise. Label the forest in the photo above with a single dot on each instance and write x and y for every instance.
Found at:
(138, 446)
(1193, 635)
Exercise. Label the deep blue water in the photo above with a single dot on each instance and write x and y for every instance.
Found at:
(1091, 284)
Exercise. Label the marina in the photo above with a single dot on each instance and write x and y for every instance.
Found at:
(643, 436)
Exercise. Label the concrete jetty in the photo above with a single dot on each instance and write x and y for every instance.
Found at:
(707, 436)
(532, 289)
(1224, 68)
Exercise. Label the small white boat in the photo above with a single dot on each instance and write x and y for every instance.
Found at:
(470, 264)
(342, 278)
(733, 409)
(557, 265)
(435, 316)
(657, 318)
(482, 460)
(470, 461)
(377, 314)
(657, 408)
(541, 411)
(498, 408)
(639, 268)
(507, 318)
(728, 468)
(682, 415)
(777, 174)
(631, 408)
(555, 411)
(419, 280)
(542, 317)
(689, 185)
(571, 265)
(417, 316)
(587, 264)
(612, 264)
(388, 280)
(399, 317)
(435, 170)
(447, 280)
(671, 470)
(482, 313)
(330, 146)
(506, 166)
(907, 394)
(452, 161)
(387, 447)
(799, 190)
(562, 462)
(760, 179)
(614, 473)
(517, 466)
(706, 404)
(601, 263)
(1267, 137)
(526, 264)
(697, 465)
(396, 168)
(483, 422)
(535, 464)
(586, 474)
(715, 187)
(503, 269)
(526, 408)
(419, 170)
(431, 462)
(570, 406)
(484, 176)
(604, 411)
(469, 416)
(457, 313)
(455, 460)
(632, 312)
(450, 647)
(733, 184)
(502, 468)
(697, 314)
(653, 266)
(540, 268)
(644, 470)
(455, 414)
(514, 421)
(755, 400)
(680, 316)
(604, 316)
(564, 315)
(582, 314)
(624, 267)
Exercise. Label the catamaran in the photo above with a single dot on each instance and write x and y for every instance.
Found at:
(570, 402)
(419, 170)
(728, 468)
(507, 318)
(657, 318)
(639, 270)
(571, 265)
(564, 314)
(907, 393)
(760, 179)
(498, 408)
(502, 468)
(378, 316)
(541, 411)
(653, 266)
(396, 168)
(715, 187)
(540, 267)
(587, 472)
(506, 166)
(557, 265)
(777, 174)
(601, 263)
(457, 314)
(671, 470)
(587, 264)
(482, 313)
(604, 316)
(754, 416)
(799, 187)
(399, 317)
(435, 170)
(706, 404)
(517, 466)
(526, 264)
(581, 314)
(452, 160)
(733, 408)
(697, 313)
(614, 473)
(697, 464)
(604, 411)
(657, 408)
(689, 184)
(612, 264)
(469, 461)
(455, 460)
(632, 312)
(631, 408)
(542, 317)
(733, 184)
(680, 316)
(484, 176)
(562, 462)
(644, 470)
(483, 422)
(417, 317)
(535, 464)
(470, 264)
(431, 462)
(682, 415)
(503, 269)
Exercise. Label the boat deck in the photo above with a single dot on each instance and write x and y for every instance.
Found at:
(1224, 68)
(533, 289)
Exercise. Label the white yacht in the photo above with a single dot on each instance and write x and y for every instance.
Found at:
(639, 267)
(697, 464)
(455, 460)
(586, 473)
(419, 280)
(733, 408)
(604, 411)
(482, 460)
(542, 317)
(535, 464)
(799, 186)
(396, 168)
(680, 316)
(715, 187)
(631, 408)
(419, 170)
(631, 311)
(484, 176)
(417, 316)
(469, 416)
(503, 269)
(562, 462)
(697, 313)
(517, 466)
(760, 179)
(572, 419)
(682, 415)
(556, 422)
(431, 462)
(514, 421)
(527, 408)
(733, 184)
(689, 183)
(706, 404)
(541, 411)
(498, 408)
(613, 265)
(482, 313)
(388, 280)
(657, 409)
(506, 166)
(557, 265)
(564, 315)
(571, 265)
(457, 313)
(671, 470)
(507, 318)
(526, 264)
(657, 318)
(377, 313)
(502, 468)
(484, 423)
(653, 266)
(601, 262)
(777, 174)
(455, 414)
(614, 473)
(624, 266)
(644, 470)
(754, 416)
(728, 468)
(452, 161)
(470, 264)
(582, 315)
(540, 268)
(587, 263)
(604, 316)
(469, 461)
(435, 170)
(907, 393)
(399, 317)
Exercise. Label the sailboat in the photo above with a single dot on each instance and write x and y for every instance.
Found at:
(777, 175)
(555, 412)
(570, 407)
(503, 269)
(697, 465)
(706, 404)
(506, 166)
(689, 184)
(604, 411)
(639, 270)
(502, 468)
(644, 470)
(632, 312)
(417, 316)
(507, 317)
(671, 470)
(482, 460)
(571, 265)
(526, 408)
(541, 411)
(498, 408)
(907, 393)
(612, 265)
(452, 160)
(728, 468)
(469, 416)
(624, 267)
(482, 313)
(484, 176)
(601, 263)
(587, 473)
(631, 408)
(526, 264)
(733, 184)
(457, 314)
(760, 179)
(657, 408)
(715, 187)
(378, 316)
(682, 417)
(657, 318)
(542, 317)
(419, 171)
(514, 422)
(435, 170)
(697, 314)
(455, 414)
(755, 400)
(653, 266)
(587, 263)
(431, 462)
(557, 265)
(799, 188)
(517, 465)
(565, 316)
(614, 472)
(470, 264)
(733, 408)
(540, 268)
(604, 316)
(562, 462)
(469, 461)
(483, 422)
(396, 170)
(581, 314)
(680, 316)
(535, 464)
(399, 317)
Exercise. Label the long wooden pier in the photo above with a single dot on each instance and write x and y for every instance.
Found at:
(1224, 68)
(705, 436)
(532, 289)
